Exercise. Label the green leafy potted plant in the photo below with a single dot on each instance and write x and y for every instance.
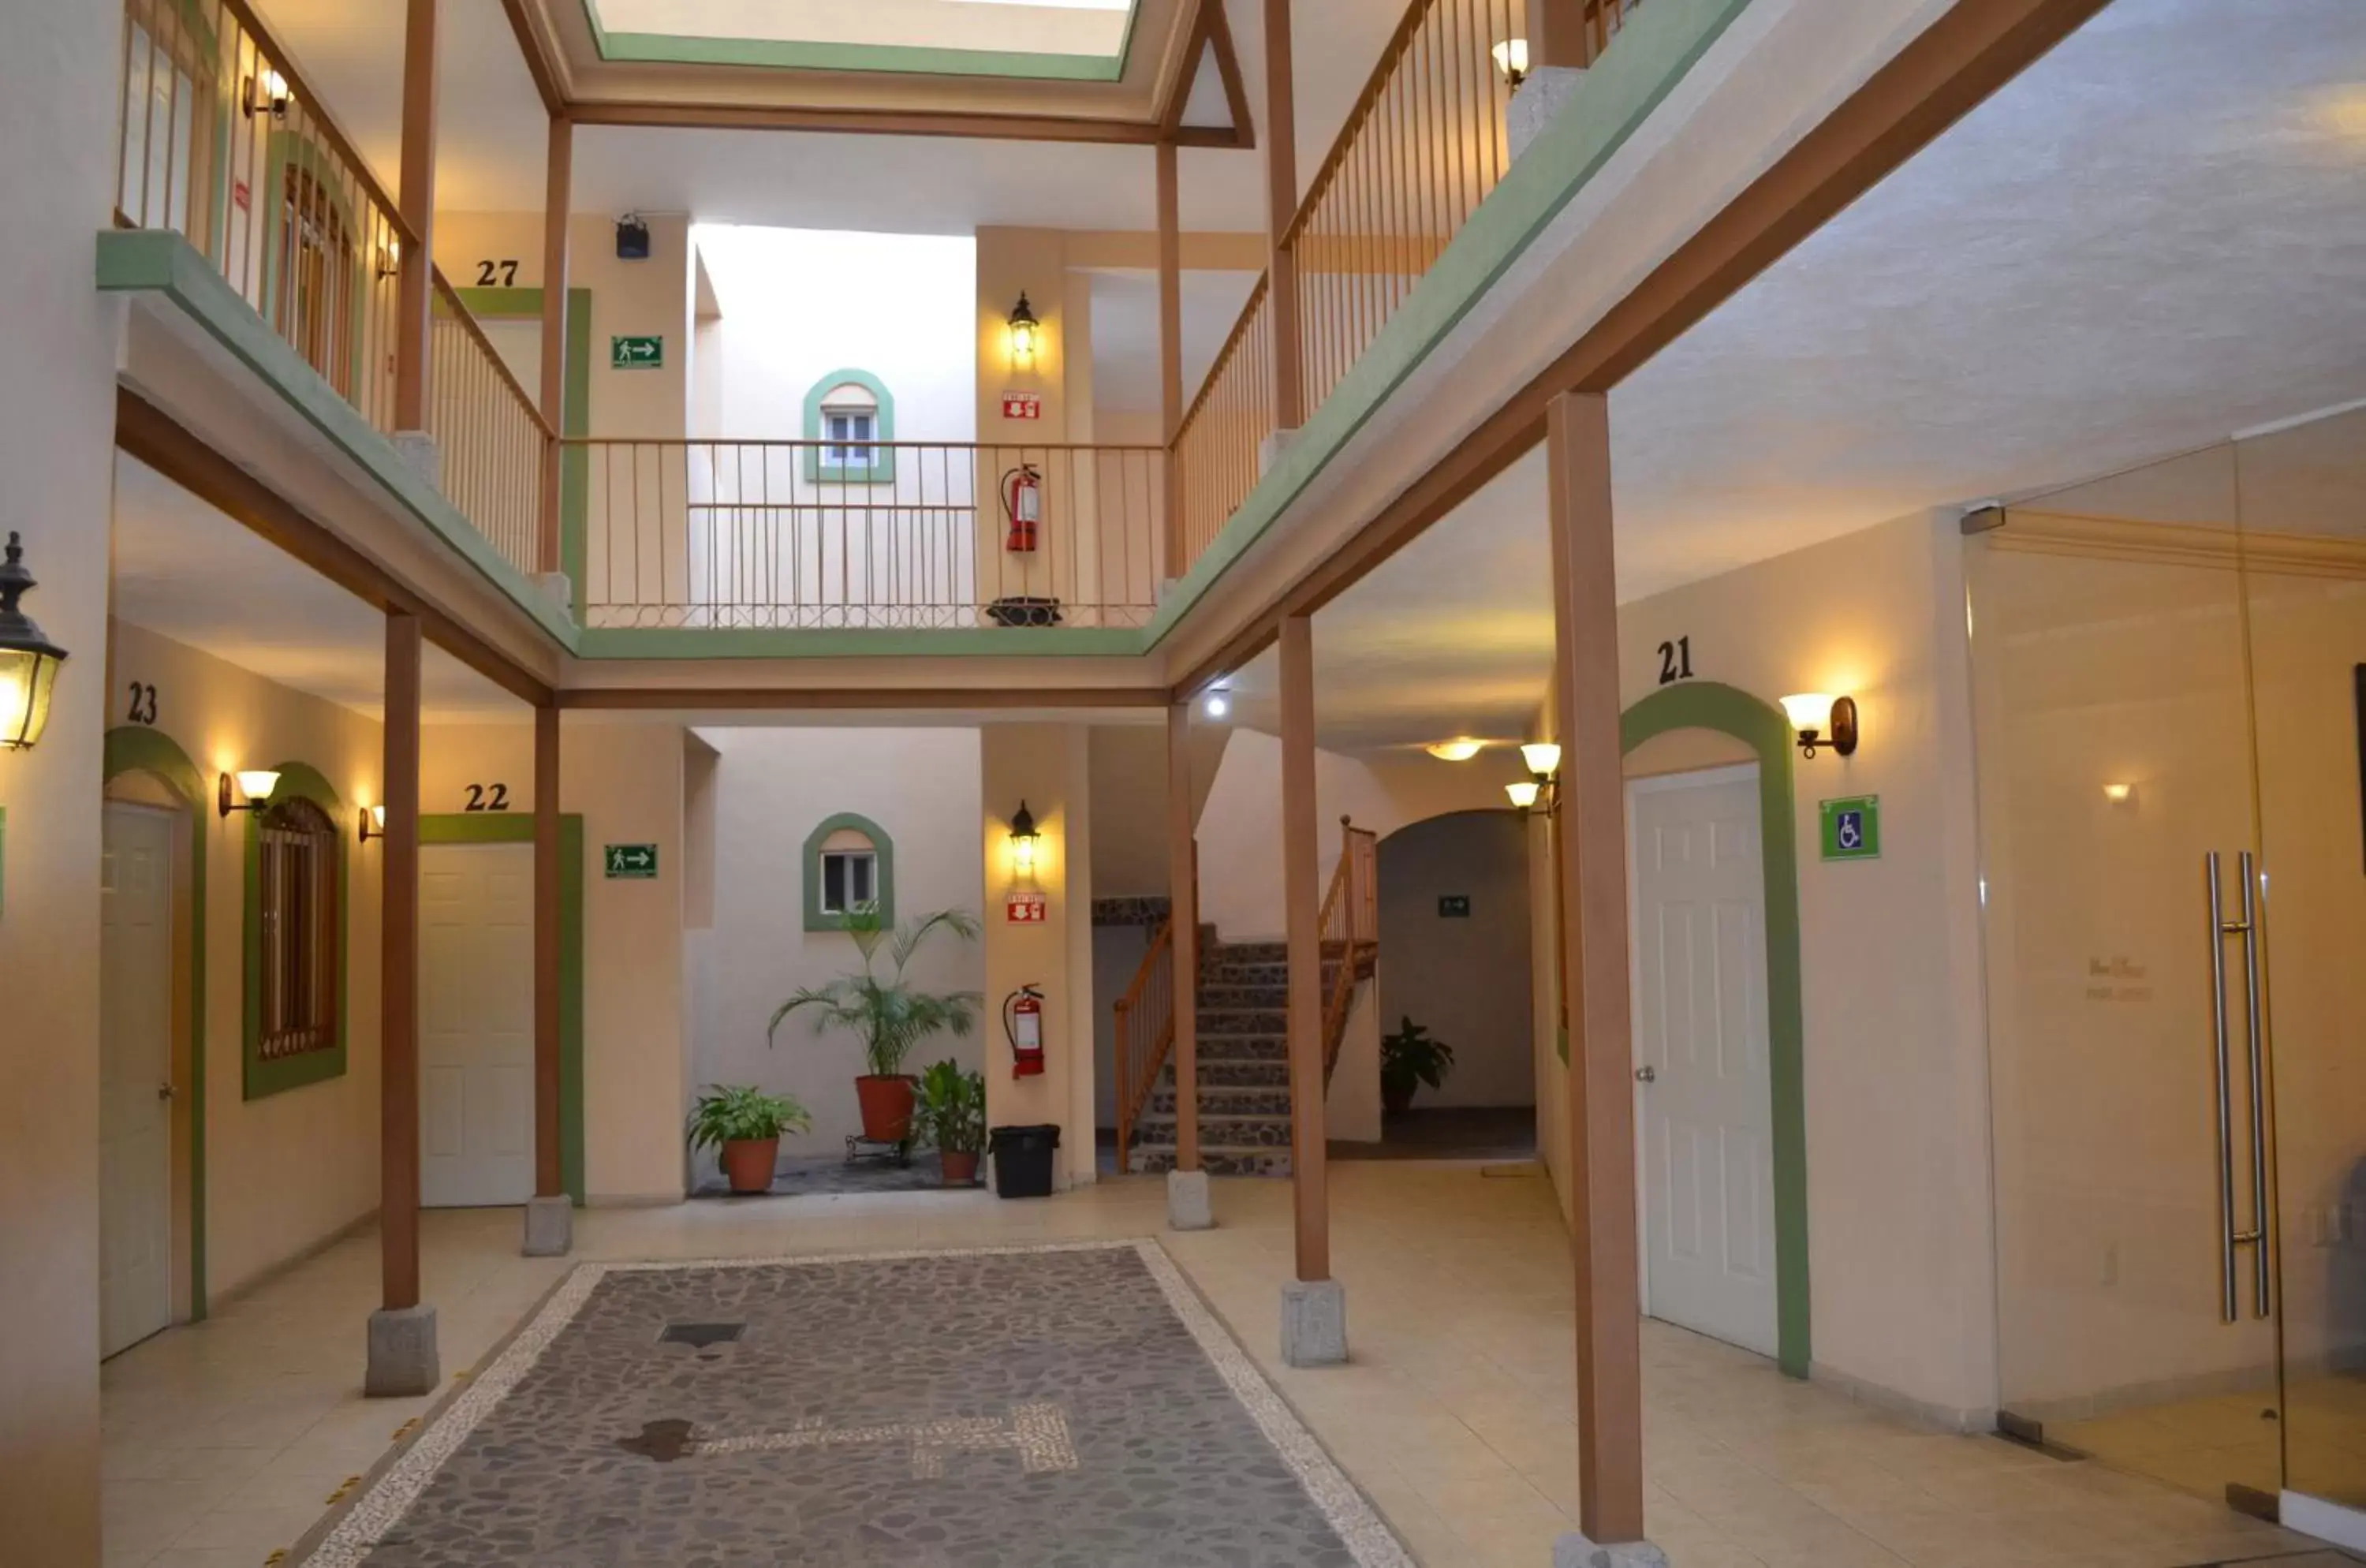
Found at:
(1409, 1058)
(948, 1112)
(888, 1014)
(743, 1125)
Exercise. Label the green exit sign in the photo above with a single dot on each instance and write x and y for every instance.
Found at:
(644, 352)
(631, 862)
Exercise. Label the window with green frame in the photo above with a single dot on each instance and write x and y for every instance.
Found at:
(297, 903)
(849, 416)
(850, 869)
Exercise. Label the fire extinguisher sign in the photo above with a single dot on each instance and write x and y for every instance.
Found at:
(1025, 907)
(1022, 405)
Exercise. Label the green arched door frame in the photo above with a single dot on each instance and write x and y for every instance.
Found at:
(138, 748)
(1706, 705)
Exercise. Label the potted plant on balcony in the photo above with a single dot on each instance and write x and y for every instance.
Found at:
(743, 1125)
(888, 1014)
(948, 1112)
(1409, 1058)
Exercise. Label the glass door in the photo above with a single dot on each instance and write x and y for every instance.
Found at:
(2120, 831)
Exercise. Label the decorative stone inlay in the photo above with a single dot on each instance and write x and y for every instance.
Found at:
(1004, 1407)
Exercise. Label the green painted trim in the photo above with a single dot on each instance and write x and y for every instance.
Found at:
(1706, 705)
(815, 919)
(881, 470)
(910, 59)
(574, 412)
(818, 642)
(1657, 46)
(138, 748)
(260, 1080)
(517, 828)
(157, 261)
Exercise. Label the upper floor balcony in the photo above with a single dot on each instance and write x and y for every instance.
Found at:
(688, 520)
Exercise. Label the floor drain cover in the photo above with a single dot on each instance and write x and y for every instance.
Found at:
(699, 1335)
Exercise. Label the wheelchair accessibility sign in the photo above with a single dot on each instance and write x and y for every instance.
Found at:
(1852, 827)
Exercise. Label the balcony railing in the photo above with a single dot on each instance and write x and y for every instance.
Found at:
(875, 535)
(222, 142)
(1425, 143)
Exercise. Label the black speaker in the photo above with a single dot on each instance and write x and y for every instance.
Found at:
(632, 238)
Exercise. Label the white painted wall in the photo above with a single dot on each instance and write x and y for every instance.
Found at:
(772, 786)
(1900, 1215)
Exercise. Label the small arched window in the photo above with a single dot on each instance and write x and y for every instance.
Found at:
(850, 423)
(298, 911)
(850, 873)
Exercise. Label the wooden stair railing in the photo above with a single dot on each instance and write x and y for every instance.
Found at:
(1350, 925)
(1145, 1033)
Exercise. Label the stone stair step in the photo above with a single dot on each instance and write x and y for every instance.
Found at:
(1226, 1100)
(1215, 1160)
(1247, 1130)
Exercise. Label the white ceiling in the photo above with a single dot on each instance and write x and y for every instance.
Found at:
(2154, 239)
(184, 571)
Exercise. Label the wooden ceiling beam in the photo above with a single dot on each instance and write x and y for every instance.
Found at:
(1228, 66)
(887, 699)
(538, 64)
(896, 122)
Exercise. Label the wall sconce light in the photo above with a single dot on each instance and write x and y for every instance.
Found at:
(390, 256)
(256, 783)
(266, 92)
(1026, 331)
(2121, 795)
(28, 662)
(373, 823)
(1822, 720)
(1512, 59)
(1542, 786)
(1460, 749)
(1023, 837)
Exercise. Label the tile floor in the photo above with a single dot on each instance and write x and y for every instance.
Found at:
(226, 1441)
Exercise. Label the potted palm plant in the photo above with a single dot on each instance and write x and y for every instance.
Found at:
(1409, 1058)
(948, 1111)
(887, 1013)
(743, 1125)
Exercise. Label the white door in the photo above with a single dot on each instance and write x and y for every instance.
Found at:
(135, 1071)
(1702, 1088)
(476, 1025)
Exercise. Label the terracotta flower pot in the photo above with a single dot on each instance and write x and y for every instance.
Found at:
(887, 1107)
(747, 1163)
(961, 1166)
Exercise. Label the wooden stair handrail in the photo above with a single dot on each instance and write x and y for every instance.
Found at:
(1147, 1009)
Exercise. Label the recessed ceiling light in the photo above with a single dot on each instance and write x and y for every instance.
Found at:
(1460, 749)
(1217, 705)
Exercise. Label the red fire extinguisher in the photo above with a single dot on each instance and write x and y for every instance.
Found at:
(1023, 503)
(1022, 1021)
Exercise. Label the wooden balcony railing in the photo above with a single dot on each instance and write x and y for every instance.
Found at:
(221, 141)
(1425, 143)
(882, 535)
(1146, 1034)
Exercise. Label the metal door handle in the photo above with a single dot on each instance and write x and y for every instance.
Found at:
(2257, 1036)
(1647, 1075)
(164, 1089)
(2229, 1307)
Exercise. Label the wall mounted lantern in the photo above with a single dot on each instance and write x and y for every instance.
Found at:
(1822, 720)
(1512, 59)
(1460, 749)
(28, 662)
(1023, 837)
(256, 783)
(1026, 331)
(373, 823)
(1542, 786)
(265, 93)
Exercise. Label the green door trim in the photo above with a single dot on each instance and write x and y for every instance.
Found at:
(489, 304)
(1706, 705)
(138, 748)
(260, 1080)
(517, 828)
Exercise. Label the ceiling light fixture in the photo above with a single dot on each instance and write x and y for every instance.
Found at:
(1460, 749)
(1822, 720)
(29, 660)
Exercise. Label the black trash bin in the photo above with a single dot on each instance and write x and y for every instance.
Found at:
(1022, 1160)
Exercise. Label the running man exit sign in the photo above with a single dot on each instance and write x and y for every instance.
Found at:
(630, 862)
(644, 352)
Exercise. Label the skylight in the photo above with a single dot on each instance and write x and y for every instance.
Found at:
(1071, 39)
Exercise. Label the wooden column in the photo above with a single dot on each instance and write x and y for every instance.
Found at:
(549, 1178)
(1170, 348)
(1561, 33)
(416, 198)
(1281, 210)
(1592, 867)
(1302, 893)
(399, 973)
(557, 193)
(1183, 897)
